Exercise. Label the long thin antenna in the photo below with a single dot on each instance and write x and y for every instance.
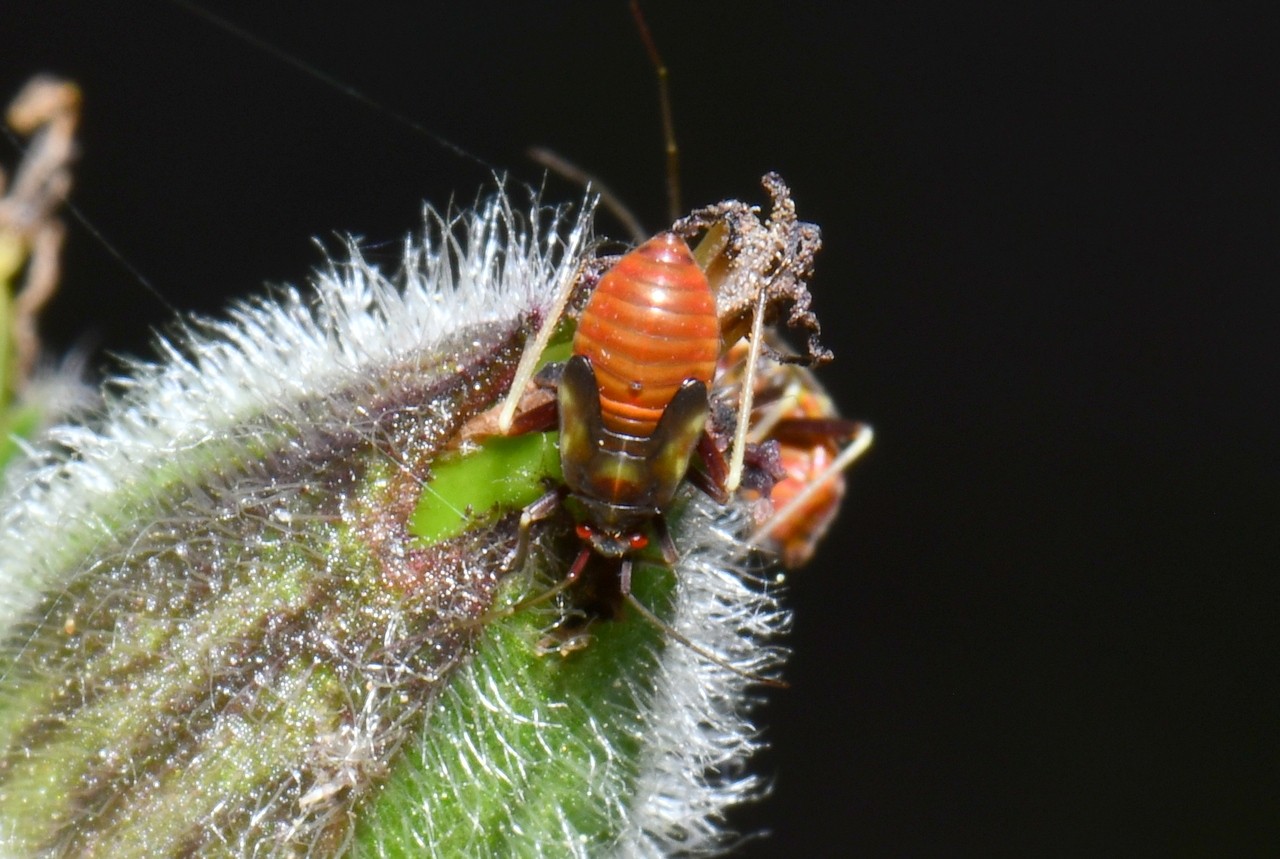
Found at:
(575, 174)
(703, 652)
(341, 86)
(664, 101)
(119, 257)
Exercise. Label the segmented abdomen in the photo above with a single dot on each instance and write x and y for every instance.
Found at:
(649, 325)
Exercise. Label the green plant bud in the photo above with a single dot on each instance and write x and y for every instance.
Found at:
(254, 608)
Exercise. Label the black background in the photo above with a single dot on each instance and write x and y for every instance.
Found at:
(1050, 278)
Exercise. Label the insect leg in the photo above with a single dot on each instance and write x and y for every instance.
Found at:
(541, 509)
(668, 629)
(575, 573)
(533, 350)
(624, 576)
(712, 482)
(748, 396)
(670, 553)
(856, 447)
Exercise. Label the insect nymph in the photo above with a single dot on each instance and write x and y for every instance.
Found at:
(634, 402)
(633, 399)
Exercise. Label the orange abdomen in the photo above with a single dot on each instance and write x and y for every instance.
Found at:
(649, 325)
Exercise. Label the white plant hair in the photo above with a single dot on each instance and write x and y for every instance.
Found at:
(694, 767)
(273, 354)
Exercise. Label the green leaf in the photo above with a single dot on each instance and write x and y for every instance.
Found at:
(505, 474)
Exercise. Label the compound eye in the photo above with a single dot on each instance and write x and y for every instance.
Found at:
(584, 531)
(638, 542)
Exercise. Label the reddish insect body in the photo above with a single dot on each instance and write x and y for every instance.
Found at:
(633, 399)
(633, 404)
(649, 326)
(814, 446)
(806, 455)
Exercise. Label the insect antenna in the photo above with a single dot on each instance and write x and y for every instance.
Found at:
(341, 86)
(675, 209)
(670, 630)
(570, 172)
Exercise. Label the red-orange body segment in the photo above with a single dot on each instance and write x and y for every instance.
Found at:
(649, 326)
(798, 536)
(793, 411)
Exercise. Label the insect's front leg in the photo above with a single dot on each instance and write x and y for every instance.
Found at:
(544, 508)
(535, 410)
